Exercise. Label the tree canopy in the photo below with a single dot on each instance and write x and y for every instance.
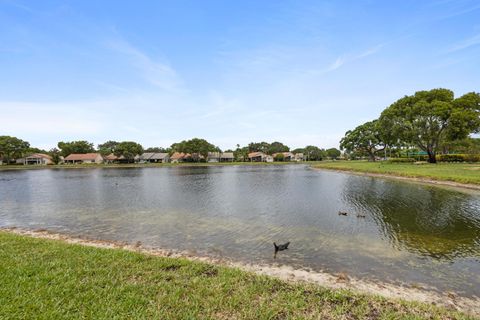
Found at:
(333, 153)
(108, 147)
(128, 149)
(75, 147)
(195, 146)
(365, 138)
(429, 118)
(12, 148)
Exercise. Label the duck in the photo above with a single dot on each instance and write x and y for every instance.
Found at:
(342, 213)
(361, 215)
(280, 247)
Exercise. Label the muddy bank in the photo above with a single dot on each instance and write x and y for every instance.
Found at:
(332, 281)
(428, 181)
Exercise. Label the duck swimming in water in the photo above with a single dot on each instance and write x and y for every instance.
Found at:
(280, 247)
(342, 213)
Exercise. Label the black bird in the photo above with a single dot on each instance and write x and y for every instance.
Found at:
(361, 215)
(342, 213)
(280, 247)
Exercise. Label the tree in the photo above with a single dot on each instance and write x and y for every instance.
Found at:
(241, 154)
(55, 154)
(366, 138)
(75, 147)
(108, 147)
(313, 153)
(12, 148)
(195, 147)
(276, 147)
(128, 149)
(156, 150)
(429, 118)
(279, 157)
(333, 153)
(258, 147)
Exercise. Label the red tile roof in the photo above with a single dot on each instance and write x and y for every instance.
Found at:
(40, 155)
(111, 157)
(82, 156)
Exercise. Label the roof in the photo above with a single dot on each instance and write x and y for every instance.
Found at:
(39, 155)
(82, 156)
(177, 155)
(111, 157)
(159, 156)
(146, 155)
(227, 155)
(256, 154)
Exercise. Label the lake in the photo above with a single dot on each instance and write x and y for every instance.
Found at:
(412, 233)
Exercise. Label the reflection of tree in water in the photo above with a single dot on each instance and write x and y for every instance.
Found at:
(432, 221)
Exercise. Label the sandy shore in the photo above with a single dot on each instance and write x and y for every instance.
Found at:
(333, 281)
(445, 183)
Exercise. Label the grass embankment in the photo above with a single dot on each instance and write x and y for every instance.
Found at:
(48, 279)
(455, 172)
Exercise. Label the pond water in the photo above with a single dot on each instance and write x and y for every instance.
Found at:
(412, 233)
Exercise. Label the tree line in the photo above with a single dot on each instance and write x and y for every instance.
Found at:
(12, 148)
(431, 121)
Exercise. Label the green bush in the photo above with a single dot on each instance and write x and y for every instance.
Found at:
(401, 160)
(458, 158)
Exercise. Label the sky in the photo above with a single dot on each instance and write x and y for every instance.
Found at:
(232, 72)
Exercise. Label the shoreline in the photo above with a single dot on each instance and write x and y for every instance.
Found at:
(142, 165)
(289, 274)
(427, 181)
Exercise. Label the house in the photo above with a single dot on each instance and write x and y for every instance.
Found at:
(268, 158)
(257, 156)
(287, 156)
(154, 157)
(38, 158)
(227, 157)
(178, 157)
(298, 157)
(76, 158)
(111, 158)
(220, 157)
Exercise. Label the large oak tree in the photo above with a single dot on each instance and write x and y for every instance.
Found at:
(429, 118)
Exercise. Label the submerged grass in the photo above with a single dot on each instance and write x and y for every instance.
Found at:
(48, 279)
(455, 172)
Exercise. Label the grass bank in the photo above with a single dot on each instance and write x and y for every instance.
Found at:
(453, 172)
(50, 279)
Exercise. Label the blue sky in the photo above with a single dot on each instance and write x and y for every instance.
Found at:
(156, 72)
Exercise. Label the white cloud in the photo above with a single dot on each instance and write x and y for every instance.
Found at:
(465, 44)
(157, 73)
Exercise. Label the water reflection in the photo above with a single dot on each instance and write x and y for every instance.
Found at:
(432, 221)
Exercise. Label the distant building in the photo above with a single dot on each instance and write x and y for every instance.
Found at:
(38, 158)
(178, 157)
(154, 157)
(299, 157)
(287, 156)
(111, 158)
(78, 158)
(220, 157)
(257, 157)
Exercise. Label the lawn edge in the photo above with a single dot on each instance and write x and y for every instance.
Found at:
(448, 300)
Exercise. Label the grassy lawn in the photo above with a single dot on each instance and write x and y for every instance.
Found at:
(48, 279)
(457, 172)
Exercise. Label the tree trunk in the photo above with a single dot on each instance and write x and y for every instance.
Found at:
(431, 156)
(372, 156)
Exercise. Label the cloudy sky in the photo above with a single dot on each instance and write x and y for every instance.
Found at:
(156, 72)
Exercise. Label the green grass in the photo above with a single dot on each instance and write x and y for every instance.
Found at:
(456, 172)
(48, 279)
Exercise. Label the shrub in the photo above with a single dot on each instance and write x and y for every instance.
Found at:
(401, 160)
(458, 158)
